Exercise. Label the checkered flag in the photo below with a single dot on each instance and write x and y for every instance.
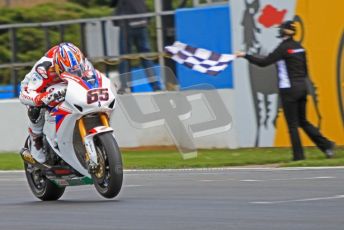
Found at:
(201, 60)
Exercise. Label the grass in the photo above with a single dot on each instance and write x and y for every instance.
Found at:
(10, 161)
(154, 159)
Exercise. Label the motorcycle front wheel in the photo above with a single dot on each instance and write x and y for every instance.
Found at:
(108, 177)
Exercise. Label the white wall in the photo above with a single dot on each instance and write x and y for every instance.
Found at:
(13, 124)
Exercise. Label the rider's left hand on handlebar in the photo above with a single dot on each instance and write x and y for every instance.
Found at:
(59, 95)
(55, 97)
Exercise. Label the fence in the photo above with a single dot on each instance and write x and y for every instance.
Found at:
(14, 65)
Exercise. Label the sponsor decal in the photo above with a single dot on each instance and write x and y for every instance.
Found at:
(294, 51)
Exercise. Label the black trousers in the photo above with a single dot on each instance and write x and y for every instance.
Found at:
(294, 106)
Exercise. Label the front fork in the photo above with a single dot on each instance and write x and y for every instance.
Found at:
(87, 138)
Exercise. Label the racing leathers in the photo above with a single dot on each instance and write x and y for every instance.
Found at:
(33, 94)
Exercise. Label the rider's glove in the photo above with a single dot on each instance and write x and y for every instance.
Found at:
(41, 98)
(56, 97)
(50, 99)
(59, 95)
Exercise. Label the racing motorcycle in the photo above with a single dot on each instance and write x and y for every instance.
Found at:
(78, 141)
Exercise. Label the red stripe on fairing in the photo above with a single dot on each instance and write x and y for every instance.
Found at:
(76, 79)
(59, 124)
(61, 112)
(92, 131)
(100, 79)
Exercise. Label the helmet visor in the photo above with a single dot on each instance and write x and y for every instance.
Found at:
(77, 70)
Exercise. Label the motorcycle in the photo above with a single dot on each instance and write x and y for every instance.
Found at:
(78, 141)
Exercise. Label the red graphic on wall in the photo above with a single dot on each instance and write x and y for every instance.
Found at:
(271, 16)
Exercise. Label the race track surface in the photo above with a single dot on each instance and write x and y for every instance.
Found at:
(257, 199)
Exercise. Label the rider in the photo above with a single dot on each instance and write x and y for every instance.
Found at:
(64, 57)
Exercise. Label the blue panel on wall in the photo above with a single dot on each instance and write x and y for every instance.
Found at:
(7, 91)
(208, 28)
(140, 79)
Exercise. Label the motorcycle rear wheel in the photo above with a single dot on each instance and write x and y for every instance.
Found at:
(41, 186)
(108, 177)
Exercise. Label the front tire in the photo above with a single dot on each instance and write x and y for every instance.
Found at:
(108, 177)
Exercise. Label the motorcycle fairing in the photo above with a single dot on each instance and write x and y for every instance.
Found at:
(89, 141)
(67, 114)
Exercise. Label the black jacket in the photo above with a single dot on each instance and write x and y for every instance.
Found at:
(125, 7)
(290, 58)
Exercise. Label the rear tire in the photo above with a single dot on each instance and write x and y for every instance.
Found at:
(109, 176)
(41, 186)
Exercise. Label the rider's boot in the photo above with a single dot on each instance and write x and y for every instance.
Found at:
(36, 117)
(37, 148)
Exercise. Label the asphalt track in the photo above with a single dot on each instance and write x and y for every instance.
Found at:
(258, 199)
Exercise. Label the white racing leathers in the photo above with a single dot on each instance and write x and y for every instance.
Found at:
(33, 87)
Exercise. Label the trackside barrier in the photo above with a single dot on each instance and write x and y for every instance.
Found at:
(13, 123)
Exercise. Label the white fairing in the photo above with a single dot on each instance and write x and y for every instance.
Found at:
(62, 119)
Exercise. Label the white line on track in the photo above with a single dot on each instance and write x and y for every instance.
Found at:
(234, 168)
(259, 180)
(12, 179)
(133, 185)
(11, 171)
(214, 169)
(87, 187)
(288, 179)
(299, 200)
(307, 178)
(213, 180)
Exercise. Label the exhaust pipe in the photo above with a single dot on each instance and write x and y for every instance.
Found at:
(27, 157)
